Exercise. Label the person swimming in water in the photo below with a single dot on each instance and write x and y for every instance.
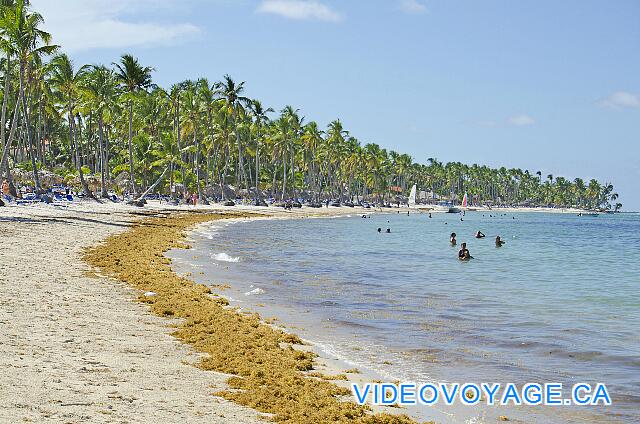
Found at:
(463, 253)
(499, 242)
(452, 239)
(388, 230)
(429, 214)
(479, 234)
(379, 229)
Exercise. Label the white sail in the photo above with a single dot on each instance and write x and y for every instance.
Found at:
(412, 196)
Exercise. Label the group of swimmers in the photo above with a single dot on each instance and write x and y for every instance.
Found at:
(388, 229)
(463, 253)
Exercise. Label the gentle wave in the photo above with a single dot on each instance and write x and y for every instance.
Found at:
(223, 257)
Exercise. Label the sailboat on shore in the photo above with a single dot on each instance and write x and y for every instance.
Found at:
(412, 197)
(465, 205)
(454, 209)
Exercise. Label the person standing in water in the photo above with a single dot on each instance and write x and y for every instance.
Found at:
(499, 242)
(463, 253)
(452, 239)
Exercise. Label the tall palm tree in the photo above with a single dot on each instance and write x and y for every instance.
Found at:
(133, 77)
(24, 40)
(231, 92)
(294, 125)
(101, 90)
(68, 82)
(193, 110)
(260, 117)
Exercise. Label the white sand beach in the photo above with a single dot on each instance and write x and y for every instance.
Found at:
(77, 348)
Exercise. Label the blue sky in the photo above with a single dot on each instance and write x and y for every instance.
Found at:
(539, 85)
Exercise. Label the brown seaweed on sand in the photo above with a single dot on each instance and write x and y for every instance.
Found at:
(268, 374)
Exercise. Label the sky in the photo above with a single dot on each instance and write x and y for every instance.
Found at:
(540, 85)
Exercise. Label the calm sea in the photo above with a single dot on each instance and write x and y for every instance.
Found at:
(560, 302)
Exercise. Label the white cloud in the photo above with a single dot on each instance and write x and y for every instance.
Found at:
(413, 7)
(79, 25)
(621, 99)
(521, 120)
(300, 10)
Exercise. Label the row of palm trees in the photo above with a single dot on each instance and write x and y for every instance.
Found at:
(111, 125)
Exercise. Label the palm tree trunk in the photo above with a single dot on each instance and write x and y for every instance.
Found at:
(83, 183)
(103, 172)
(131, 178)
(5, 99)
(293, 171)
(25, 111)
(274, 188)
(258, 165)
(197, 159)
(177, 119)
(7, 148)
(284, 175)
(226, 167)
(240, 172)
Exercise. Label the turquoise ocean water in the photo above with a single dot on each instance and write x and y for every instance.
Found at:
(559, 302)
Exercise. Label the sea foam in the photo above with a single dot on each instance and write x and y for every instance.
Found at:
(223, 257)
(254, 291)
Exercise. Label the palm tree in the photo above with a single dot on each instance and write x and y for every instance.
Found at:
(23, 39)
(293, 126)
(133, 77)
(232, 95)
(260, 116)
(193, 110)
(212, 132)
(312, 139)
(67, 82)
(101, 89)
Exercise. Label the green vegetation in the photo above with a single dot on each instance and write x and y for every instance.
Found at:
(211, 139)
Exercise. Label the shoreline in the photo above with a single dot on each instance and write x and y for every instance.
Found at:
(339, 365)
(260, 358)
(58, 229)
(329, 363)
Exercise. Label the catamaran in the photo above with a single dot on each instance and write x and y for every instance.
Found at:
(412, 197)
